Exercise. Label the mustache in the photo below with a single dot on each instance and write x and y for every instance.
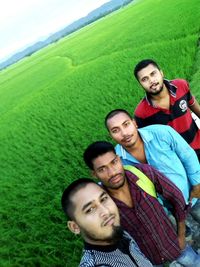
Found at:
(107, 220)
(113, 176)
(125, 138)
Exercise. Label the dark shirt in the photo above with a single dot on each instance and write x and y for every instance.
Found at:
(147, 221)
(123, 254)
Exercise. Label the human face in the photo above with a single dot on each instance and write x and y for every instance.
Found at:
(151, 79)
(96, 215)
(123, 130)
(109, 170)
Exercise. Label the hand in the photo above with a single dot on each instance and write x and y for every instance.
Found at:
(195, 193)
(181, 241)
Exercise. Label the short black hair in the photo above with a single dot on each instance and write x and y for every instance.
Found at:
(143, 64)
(67, 205)
(96, 149)
(114, 112)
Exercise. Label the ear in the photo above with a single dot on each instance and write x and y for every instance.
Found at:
(162, 73)
(73, 227)
(134, 122)
(93, 173)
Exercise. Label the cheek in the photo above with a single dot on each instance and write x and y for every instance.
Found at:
(116, 136)
(103, 176)
(132, 129)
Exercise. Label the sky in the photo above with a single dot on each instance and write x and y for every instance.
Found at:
(24, 22)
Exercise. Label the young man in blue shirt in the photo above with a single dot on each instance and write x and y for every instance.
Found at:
(163, 148)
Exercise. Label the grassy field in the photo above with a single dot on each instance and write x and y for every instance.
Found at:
(53, 105)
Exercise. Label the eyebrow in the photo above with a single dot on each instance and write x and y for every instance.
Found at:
(127, 120)
(108, 163)
(90, 202)
(116, 127)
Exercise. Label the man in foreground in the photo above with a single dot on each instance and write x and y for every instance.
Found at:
(167, 102)
(141, 214)
(161, 147)
(94, 215)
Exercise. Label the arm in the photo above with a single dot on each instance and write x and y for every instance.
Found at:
(188, 159)
(195, 192)
(181, 234)
(171, 193)
(168, 190)
(196, 108)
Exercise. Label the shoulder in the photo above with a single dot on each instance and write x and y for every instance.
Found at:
(118, 149)
(145, 168)
(180, 84)
(157, 130)
(143, 105)
(87, 259)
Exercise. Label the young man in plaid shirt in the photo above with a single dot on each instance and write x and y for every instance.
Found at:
(142, 216)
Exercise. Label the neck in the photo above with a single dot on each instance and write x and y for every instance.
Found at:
(137, 150)
(123, 190)
(137, 146)
(123, 194)
(162, 95)
(103, 243)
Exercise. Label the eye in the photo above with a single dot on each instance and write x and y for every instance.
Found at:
(127, 123)
(115, 131)
(101, 170)
(153, 73)
(104, 198)
(89, 210)
(144, 79)
(115, 160)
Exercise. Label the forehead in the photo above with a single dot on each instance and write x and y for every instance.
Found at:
(148, 69)
(90, 193)
(103, 159)
(117, 120)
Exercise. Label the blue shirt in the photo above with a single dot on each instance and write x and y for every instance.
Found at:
(169, 153)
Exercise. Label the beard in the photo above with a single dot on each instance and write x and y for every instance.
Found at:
(157, 92)
(115, 236)
(116, 186)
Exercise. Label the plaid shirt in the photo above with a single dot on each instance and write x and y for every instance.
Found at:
(123, 254)
(147, 221)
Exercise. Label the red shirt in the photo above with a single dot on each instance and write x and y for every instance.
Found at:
(178, 116)
(147, 221)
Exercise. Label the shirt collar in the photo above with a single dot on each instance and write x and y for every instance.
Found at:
(171, 88)
(108, 248)
(146, 136)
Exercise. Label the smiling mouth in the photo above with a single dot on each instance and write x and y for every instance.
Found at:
(153, 86)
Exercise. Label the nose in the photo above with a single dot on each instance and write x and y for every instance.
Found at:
(103, 211)
(123, 132)
(111, 171)
(151, 80)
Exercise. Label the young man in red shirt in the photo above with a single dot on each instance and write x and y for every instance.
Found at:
(167, 102)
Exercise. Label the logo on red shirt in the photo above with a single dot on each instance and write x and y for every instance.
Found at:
(183, 105)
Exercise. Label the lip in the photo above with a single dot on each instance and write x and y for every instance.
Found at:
(154, 85)
(127, 139)
(109, 221)
(115, 179)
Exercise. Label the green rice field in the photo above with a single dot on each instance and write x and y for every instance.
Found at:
(53, 105)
